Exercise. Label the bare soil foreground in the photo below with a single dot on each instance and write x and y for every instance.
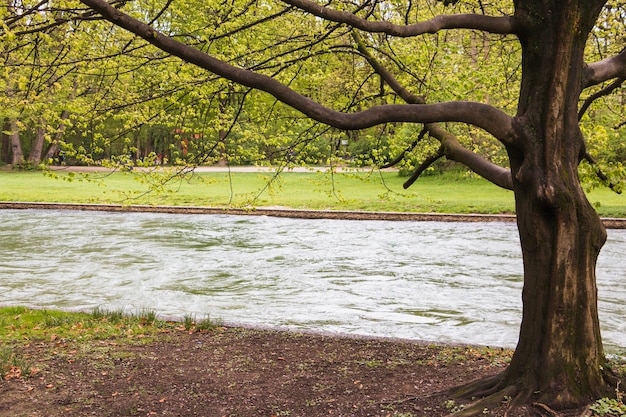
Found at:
(244, 372)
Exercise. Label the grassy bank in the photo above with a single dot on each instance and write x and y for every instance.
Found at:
(370, 191)
(25, 325)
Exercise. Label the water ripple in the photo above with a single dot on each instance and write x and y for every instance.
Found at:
(448, 282)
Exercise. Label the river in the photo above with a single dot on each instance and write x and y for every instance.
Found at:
(434, 281)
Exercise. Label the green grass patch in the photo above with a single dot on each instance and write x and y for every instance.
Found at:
(367, 191)
(29, 325)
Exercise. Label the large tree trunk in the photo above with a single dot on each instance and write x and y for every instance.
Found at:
(559, 360)
(559, 357)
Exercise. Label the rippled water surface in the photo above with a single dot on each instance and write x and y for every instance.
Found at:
(447, 282)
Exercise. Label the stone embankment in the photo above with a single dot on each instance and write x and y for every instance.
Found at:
(610, 223)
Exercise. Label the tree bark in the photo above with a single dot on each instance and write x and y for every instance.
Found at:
(5, 143)
(17, 156)
(559, 359)
(58, 136)
(35, 152)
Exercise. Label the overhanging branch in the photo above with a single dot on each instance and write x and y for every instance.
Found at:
(614, 187)
(501, 25)
(408, 149)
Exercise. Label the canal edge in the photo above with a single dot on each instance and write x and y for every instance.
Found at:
(609, 223)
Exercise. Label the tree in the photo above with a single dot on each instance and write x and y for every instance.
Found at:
(559, 360)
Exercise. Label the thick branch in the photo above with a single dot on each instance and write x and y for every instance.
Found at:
(487, 117)
(456, 152)
(607, 69)
(503, 25)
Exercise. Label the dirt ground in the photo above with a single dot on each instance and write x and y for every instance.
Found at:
(243, 372)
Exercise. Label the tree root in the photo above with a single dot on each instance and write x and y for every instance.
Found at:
(546, 411)
(479, 388)
(500, 398)
(512, 398)
(498, 394)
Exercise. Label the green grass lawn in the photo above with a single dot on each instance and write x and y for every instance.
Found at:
(370, 191)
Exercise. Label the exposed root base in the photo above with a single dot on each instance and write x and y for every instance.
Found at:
(500, 397)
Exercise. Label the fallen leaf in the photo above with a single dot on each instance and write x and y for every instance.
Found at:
(13, 373)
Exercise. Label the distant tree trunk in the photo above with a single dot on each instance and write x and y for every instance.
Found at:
(5, 143)
(35, 151)
(17, 156)
(51, 152)
(54, 143)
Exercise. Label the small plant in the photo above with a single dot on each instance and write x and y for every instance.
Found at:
(608, 407)
(188, 321)
(208, 324)
(148, 317)
(372, 363)
(113, 316)
(51, 321)
(13, 365)
(98, 313)
(54, 319)
(116, 316)
(452, 406)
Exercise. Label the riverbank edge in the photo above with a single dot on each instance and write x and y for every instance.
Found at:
(609, 223)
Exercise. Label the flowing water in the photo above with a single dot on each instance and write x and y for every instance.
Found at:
(445, 282)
